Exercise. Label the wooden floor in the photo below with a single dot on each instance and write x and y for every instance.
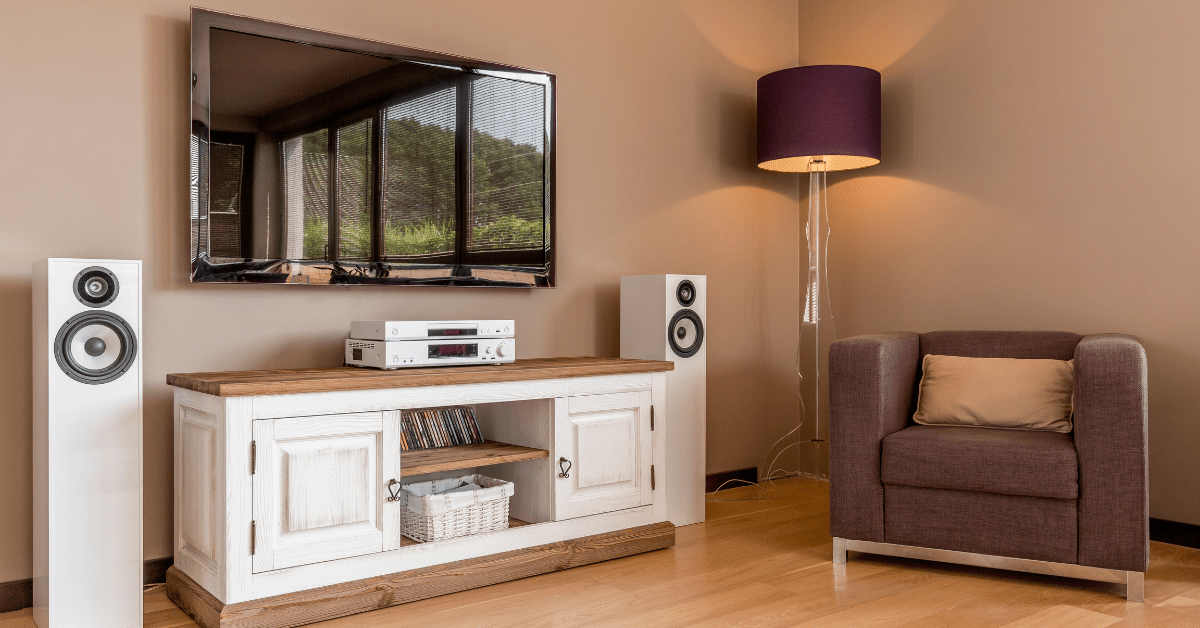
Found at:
(765, 563)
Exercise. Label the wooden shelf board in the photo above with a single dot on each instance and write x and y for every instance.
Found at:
(465, 457)
(292, 381)
(512, 523)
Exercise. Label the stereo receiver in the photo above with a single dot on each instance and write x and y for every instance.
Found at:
(384, 354)
(420, 330)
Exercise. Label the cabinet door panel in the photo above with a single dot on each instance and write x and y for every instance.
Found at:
(329, 482)
(318, 488)
(606, 441)
(606, 448)
(198, 526)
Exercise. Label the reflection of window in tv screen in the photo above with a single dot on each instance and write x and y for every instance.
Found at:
(353, 164)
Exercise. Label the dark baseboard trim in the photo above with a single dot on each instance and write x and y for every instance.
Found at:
(18, 594)
(713, 480)
(1175, 533)
(154, 571)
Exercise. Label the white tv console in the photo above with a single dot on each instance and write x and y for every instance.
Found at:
(281, 509)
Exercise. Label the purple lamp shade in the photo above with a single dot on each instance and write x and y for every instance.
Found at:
(816, 112)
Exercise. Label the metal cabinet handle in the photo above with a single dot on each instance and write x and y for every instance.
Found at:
(393, 494)
(563, 472)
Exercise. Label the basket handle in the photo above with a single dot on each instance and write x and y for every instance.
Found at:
(393, 494)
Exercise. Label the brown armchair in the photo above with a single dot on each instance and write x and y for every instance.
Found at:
(1072, 505)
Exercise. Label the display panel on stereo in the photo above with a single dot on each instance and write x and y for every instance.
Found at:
(393, 354)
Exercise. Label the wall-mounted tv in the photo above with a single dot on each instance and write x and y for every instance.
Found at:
(325, 159)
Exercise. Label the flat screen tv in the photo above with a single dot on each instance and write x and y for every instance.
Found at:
(325, 159)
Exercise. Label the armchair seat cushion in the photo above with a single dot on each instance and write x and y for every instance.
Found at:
(1007, 462)
(983, 523)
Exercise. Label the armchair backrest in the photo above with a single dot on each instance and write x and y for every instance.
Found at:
(1046, 345)
(1028, 345)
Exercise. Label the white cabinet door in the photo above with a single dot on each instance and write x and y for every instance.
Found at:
(603, 454)
(320, 488)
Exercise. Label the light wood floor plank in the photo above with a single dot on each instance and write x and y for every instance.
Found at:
(1063, 616)
(1180, 601)
(17, 619)
(766, 564)
(1156, 617)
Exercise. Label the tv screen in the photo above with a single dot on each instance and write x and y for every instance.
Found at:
(324, 159)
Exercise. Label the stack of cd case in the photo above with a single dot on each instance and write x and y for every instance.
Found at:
(431, 428)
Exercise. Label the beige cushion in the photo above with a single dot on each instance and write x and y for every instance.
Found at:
(996, 392)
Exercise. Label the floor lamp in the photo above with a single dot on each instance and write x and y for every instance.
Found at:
(817, 119)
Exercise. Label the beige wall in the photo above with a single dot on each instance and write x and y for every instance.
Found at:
(1036, 175)
(655, 174)
(1039, 172)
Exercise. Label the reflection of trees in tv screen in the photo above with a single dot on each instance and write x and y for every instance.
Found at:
(508, 165)
(418, 179)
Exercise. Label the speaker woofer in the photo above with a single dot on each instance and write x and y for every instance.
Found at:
(685, 333)
(95, 347)
(96, 286)
(685, 293)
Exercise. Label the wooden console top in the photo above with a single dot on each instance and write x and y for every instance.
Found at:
(290, 381)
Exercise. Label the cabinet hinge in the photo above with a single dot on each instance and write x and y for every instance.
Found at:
(253, 457)
(651, 418)
(253, 537)
(652, 477)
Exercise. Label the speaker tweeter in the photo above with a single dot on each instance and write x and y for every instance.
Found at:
(685, 293)
(96, 286)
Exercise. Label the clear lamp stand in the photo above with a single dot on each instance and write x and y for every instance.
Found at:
(816, 321)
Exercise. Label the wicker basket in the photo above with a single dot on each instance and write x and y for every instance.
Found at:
(431, 517)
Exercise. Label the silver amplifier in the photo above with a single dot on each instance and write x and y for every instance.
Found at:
(394, 354)
(420, 330)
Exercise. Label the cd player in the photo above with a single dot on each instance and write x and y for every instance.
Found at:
(420, 330)
(385, 354)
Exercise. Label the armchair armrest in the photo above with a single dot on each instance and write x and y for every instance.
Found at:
(1110, 439)
(871, 383)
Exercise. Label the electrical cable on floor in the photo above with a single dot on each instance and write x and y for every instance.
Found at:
(771, 476)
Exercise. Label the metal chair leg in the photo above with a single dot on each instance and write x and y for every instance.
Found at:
(1135, 586)
(839, 551)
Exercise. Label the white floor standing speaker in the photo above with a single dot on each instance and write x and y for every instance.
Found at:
(87, 443)
(662, 318)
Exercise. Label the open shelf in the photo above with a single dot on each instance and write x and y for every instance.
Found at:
(465, 457)
(512, 523)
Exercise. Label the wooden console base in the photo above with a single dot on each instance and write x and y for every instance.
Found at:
(306, 607)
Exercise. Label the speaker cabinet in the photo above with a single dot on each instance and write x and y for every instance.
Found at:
(663, 318)
(87, 443)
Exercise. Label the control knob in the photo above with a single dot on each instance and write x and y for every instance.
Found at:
(502, 350)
